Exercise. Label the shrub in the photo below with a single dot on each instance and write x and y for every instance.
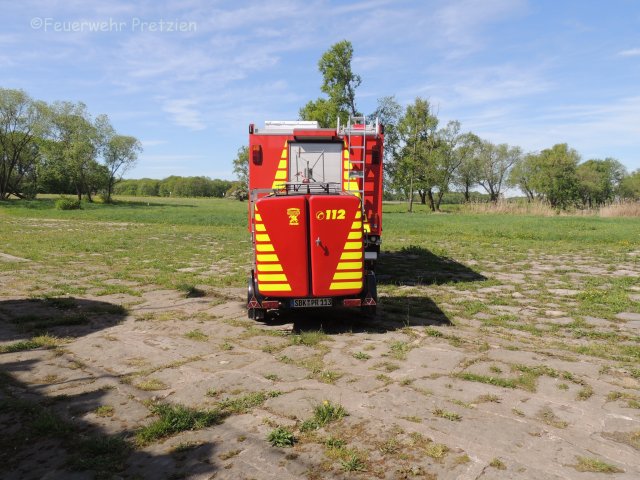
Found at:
(67, 203)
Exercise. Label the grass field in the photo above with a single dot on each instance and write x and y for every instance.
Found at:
(498, 326)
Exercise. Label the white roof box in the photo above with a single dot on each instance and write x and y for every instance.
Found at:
(290, 124)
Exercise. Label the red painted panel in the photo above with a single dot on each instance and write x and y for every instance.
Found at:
(331, 219)
(281, 247)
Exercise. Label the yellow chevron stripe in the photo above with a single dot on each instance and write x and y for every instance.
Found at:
(258, 217)
(264, 237)
(355, 235)
(281, 175)
(260, 227)
(282, 164)
(346, 276)
(275, 277)
(345, 285)
(367, 228)
(345, 153)
(269, 267)
(356, 225)
(264, 247)
(348, 266)
(267, 258)
(358, 214)
(274, 287)
(351, 255)
(352, 246)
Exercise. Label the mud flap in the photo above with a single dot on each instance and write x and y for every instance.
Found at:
(254, 307)
(370, 299)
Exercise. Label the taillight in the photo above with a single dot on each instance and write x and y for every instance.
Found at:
(352, 302)
(256, 154)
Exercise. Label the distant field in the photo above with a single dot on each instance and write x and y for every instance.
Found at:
(504, 346)
(175, 240)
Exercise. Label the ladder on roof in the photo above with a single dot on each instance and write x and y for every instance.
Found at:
(357, 174)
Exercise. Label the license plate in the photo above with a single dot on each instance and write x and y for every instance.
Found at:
(311, 302)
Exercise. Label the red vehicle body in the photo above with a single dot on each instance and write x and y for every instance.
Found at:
(315, 215)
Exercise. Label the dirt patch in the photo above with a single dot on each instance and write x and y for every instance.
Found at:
(464, 379)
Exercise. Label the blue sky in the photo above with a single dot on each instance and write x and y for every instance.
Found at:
(528, 73)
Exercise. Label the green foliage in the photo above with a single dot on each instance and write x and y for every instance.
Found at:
(281, 437)
(22, 123)
(339, 83)
(66, 203)
(630, 186)
(241, 169)
(174, 186)
(599, 181)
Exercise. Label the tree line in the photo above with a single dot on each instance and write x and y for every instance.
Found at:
(59, 148)
(175, 186)
(425, 158)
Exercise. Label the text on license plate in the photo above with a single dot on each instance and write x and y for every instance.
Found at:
(311, 302)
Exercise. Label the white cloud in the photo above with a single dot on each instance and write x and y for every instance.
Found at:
(461, 23)
(152, 143)
(184, 113)
(632, 52)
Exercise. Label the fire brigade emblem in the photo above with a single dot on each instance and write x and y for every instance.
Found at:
(293, 213)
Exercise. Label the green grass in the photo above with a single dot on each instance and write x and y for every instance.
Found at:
(41, 341)
(323, 414)
(173, 419)
(281, 437)
(155, 239)
(243, 404)
(587, 464)
(309, 338)
(196, 335)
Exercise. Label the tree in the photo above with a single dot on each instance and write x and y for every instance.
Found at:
(22, 123)
(447, 158)
(555, 178)
(241, 169)
(120, 154)
(468, 171)
(524, 175)
(495, 161)
(414, 162)
(389, 112)
(339, 83)
(74, 145)
(599, 180)
(630, 186)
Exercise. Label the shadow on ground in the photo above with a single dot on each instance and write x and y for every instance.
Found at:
(412, 266)
(60, 316)
(43, 425)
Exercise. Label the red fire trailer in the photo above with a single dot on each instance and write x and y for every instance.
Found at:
(315, 215)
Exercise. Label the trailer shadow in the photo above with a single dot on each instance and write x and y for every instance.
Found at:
(408, 267)
(411, 266)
